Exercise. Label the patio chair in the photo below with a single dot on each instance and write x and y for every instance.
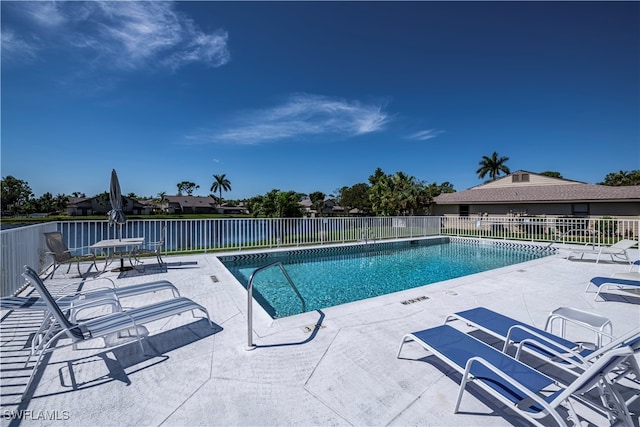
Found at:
(606, 283)
(63, 255)
(151, 248)
(77, 300)
(617, 250)
(633, 275)
(528, 392)
(570, 356)
(114, 328)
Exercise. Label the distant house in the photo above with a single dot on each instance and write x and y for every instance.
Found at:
(330, 207)
(232, 210)
(525, 193)
(80, 206)
(191, 204)
(83, 206)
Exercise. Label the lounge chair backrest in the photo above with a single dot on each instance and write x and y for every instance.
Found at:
(73, 331)
(629, 339)
(623, 244)
(56, 245)
(600, 368)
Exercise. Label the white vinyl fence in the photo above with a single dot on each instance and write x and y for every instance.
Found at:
(21, 246)
(25, 245)
(591, 231)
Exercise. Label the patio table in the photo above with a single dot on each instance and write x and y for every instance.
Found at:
(108, 248)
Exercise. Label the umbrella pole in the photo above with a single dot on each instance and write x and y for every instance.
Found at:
(120, 238)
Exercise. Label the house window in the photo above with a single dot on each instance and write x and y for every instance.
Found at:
(520, 177)
(580, 209)
(464, 210)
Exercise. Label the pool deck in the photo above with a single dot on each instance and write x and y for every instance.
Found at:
(334, 367)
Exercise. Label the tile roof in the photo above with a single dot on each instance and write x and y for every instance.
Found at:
(542, 193)
(192, 201)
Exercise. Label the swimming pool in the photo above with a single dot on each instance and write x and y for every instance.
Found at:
(331, 276)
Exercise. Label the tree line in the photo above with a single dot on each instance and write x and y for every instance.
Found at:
(383, 195)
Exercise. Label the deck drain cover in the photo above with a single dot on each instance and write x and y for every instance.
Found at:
(214, 279)
(450, 292)
(412, 300)
(309, 328)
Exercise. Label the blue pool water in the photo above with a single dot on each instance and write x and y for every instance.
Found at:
(332, 276)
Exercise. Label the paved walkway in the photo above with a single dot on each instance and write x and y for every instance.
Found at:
(335, 367)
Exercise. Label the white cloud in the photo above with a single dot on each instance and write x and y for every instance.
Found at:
(424, 135)
(14, 46)
(126, 35)
(45, 13)
(302, 115)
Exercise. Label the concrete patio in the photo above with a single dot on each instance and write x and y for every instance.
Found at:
(334, 367)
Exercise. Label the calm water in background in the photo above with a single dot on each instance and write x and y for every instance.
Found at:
(180, 234)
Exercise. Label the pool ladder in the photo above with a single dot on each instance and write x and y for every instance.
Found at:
(250, 344)
(367, 235)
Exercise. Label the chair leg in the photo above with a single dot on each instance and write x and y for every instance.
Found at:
(93, 264)
(44, 350)
(614, 404)
(407, 338)
(466, 377)
(55, 267)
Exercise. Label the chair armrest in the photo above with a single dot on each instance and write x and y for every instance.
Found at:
(113, 285)
(569, 357)
(538, 336)
(76, 309)
(80, 247)
(92, 294)
(55, 253)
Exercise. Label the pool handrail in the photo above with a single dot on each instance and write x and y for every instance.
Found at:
(250, 344)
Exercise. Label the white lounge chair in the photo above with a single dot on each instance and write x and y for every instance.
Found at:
(631, 275)
(73, 303)
(526, 391)
(617, 250)
(114, 328)
(75, 299)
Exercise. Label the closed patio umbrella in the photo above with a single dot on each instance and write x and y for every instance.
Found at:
(116, 214)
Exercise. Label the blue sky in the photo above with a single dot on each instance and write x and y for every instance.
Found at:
(314, 96)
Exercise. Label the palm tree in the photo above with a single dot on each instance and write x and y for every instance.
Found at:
(317, 201)
(162, 201)
(220, 183)
(493, 166)
(278, 204)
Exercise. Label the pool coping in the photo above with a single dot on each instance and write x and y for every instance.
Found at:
(346, 372)
(264, 325)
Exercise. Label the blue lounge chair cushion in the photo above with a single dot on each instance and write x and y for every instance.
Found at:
(523, 389)
(599, 281)
(499, 325)
(458, 347)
